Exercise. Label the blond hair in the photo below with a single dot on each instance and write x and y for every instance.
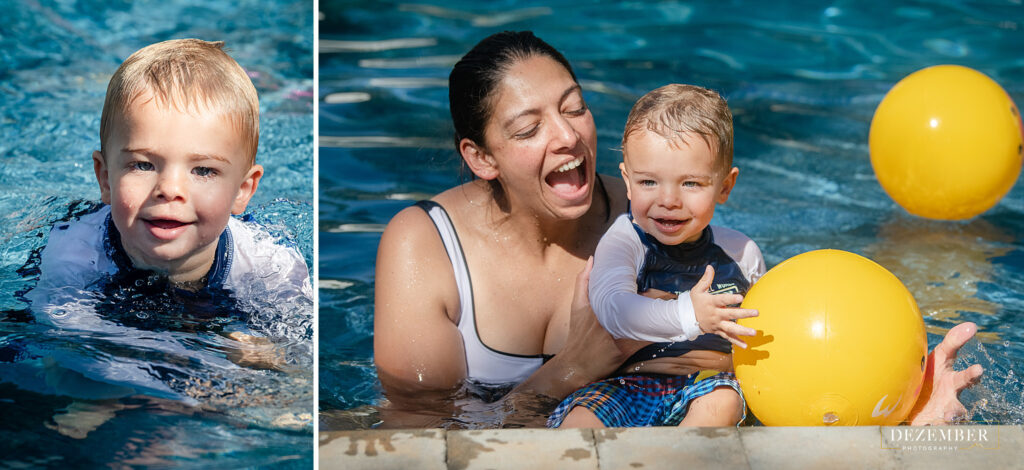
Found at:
(190, 75)
(673, 110)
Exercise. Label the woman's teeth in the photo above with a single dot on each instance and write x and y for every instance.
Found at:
(569, 166)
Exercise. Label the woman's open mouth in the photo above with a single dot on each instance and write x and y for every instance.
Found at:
(569, 180)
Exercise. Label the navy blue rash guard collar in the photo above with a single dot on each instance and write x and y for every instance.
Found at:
(681, 252)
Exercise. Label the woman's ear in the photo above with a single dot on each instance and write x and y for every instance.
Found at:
(481, 163)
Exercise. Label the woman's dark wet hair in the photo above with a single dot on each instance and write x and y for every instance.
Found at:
(475, 77)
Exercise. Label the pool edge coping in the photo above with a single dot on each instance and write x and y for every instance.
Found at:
(998, 446)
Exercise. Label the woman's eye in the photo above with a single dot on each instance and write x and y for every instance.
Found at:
(578, 111)
(527, 133)
(141, 166)
(204, 171)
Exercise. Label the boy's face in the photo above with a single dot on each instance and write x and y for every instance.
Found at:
(173, 180)
(673, 189)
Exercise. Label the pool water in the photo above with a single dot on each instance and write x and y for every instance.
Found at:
(199, 409)
(802, 79)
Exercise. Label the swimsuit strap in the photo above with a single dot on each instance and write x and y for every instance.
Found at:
(484, 364)
(452, 246)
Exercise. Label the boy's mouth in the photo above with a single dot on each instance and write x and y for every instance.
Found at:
(569, 179)
(165, 229)
(668, 225)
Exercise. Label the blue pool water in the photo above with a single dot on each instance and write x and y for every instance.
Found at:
(803, 80)
(203, 411)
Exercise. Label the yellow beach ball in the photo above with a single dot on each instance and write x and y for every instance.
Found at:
(839, 341)
(945, 143)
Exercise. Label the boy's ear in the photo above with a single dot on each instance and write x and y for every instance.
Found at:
(99, 166)
(481, 163)
(247, 189)
(727, 184)
(625, 177)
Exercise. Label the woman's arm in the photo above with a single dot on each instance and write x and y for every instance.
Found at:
(589, 353)
(417, 347)
(418, 350)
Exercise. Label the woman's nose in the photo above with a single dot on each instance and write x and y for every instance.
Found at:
(565, 136)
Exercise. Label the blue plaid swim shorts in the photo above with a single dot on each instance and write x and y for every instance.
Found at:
(643, 400)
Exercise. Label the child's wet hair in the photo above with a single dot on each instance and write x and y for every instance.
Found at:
(191, 76)
(674, 110)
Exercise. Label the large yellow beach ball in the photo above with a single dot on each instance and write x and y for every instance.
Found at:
(839, 341)
(946, 142)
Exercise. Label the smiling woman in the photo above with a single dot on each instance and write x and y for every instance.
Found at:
(450, 308)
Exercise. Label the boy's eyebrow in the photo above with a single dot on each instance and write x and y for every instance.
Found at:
(566, 93)
(192, 156)
(144, 151)
(686, 176)
(212, 156)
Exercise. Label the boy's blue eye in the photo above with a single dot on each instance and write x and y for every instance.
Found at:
(691, 184)
(204, 171)
(142, 166)
(647, 183)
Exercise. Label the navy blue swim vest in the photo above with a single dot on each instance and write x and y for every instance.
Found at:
(676, 269)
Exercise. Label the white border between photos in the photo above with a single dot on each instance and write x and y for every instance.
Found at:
(316, 233)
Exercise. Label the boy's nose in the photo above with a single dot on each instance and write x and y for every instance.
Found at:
(670, 198)
(171, 186)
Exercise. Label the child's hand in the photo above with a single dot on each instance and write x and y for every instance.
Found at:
(256, 352)
(714, 314)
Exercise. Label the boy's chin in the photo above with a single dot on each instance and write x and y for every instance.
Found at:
(168, 260)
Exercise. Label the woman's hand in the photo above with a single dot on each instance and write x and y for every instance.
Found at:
(597, 353)
(939, 402)
(590, 353)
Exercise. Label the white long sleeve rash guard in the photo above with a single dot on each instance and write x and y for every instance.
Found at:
(620, 262)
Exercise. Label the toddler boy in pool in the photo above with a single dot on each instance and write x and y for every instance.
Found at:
(677, 165)
(178, 138)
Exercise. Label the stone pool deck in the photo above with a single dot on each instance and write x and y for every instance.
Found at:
(935, 447)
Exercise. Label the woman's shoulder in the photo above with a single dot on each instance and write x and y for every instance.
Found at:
(411, 235)
(412, 253)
